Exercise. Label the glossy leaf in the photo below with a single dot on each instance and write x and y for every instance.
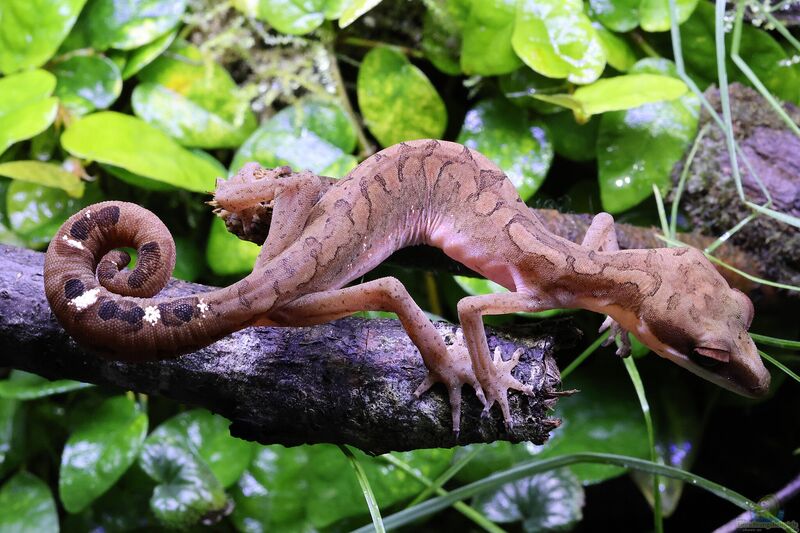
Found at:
(555, 38)
(11, 434)
(26, 107)
(397, 100)
(22, 385)
(519, 146)
(441, 34)
(551, 501)
(118, 139)
(146, 54)
(604, 416)
(100, 449)
(760, 51)
(486, 39)
(32, 30)
(27, 505)
(267, 492)
(638, 147)
(206, 435)
(228, 255)
(193, 99)
(570, 139)
(618, 93)
(619, 54)
(312, 135)
(520, 87)
(295, 17)
(354, 9)
(653, 15)
(47, 174)
(186, 488)
(86, 83)
(128, 24)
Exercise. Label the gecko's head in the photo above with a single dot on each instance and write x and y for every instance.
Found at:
(701, 324)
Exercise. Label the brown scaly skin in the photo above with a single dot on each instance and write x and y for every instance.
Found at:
(323, 236)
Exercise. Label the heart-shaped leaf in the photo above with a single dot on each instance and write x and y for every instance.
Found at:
(519, 146)
(486, 38)
(86, 83)
(27, 505)
(47, 174)
(128, 24)
(100, 449)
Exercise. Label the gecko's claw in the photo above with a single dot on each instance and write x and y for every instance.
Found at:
(616, 331)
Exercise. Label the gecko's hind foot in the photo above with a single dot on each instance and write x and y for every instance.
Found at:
(454, 374)
(624, 346)
(502, 381)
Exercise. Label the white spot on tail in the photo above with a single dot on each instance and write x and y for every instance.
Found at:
(88, 214)
(152, 315)
(203, 307)
(73, 243)
(85, 300)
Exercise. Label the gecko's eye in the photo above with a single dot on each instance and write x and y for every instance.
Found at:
(710, 357)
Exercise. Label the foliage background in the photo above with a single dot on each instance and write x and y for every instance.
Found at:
(151, 100)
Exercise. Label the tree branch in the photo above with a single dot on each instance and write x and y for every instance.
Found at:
(350, 381)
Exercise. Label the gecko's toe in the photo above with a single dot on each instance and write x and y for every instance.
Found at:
(429, 381)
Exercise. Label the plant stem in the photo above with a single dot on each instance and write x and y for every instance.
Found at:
(371, 43)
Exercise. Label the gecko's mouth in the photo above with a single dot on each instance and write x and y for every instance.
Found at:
(737, 375)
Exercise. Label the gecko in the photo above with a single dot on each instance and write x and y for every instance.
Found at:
(325, 234)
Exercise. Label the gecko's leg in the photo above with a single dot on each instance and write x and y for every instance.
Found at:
(293, 196)
(451, 366)
(494, 375)
(601, 235)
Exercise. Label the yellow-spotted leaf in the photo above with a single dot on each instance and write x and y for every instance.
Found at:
(397, 100)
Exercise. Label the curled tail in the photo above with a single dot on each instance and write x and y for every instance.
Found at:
(110, 310)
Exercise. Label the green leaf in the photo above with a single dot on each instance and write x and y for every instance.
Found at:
(11, 434)
(551, 501)
(520, 147)
(441, 34)
(266, 494)
(520, 87)
(654, 14)
(555, 38)
(194, 100)
(619, 53)
(638, 147)
(186, 488)
(47, 174)
(127, 24)
(619, 93)
(86, 83)
(144, 55)
(761, 52)
(354, 9)
(32, 30)
(295, 17)
(27, 505)
(603, 417)
(312, 135)
(25, 386)
(206, 436)
(625, 15)
(486, 38)
(397, 100)
(26, 108)
(226, 254)
(119, 140)
(100, 449)
(573, 140)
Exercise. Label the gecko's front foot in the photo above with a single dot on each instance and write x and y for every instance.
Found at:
(454, 373)
(624, 348)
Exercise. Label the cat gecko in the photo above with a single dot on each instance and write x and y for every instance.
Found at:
(324, 234)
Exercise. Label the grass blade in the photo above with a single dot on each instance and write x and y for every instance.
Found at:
(374, 509)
